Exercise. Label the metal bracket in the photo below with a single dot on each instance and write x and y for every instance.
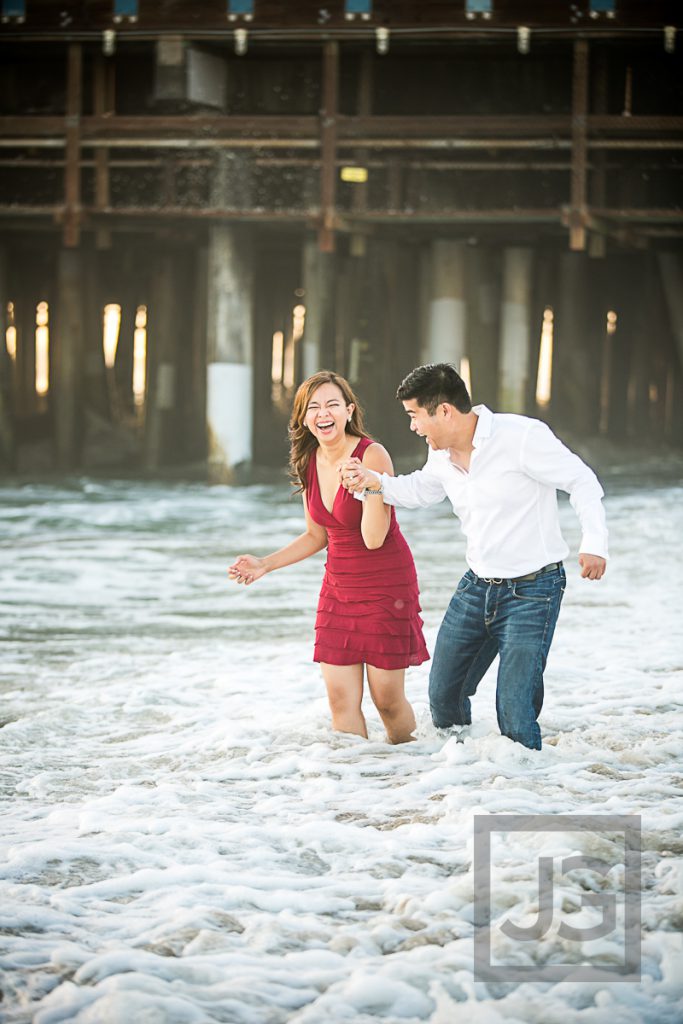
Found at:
(243, 9)
(600, 8)
(358, 9)
(478, 9)
(13, 10)
(126, 10)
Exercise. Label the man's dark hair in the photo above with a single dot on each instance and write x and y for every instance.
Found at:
(433, 384)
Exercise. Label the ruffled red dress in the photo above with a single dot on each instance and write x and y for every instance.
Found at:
(369, 610)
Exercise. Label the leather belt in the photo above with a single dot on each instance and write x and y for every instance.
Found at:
(523, 579)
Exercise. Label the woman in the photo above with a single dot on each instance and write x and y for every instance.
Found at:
(368, 611)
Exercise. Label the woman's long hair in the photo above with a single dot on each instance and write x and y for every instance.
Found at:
(302, 443)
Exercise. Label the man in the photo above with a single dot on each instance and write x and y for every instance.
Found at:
(500, 473)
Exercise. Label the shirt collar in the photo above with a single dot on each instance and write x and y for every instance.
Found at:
(484, 426)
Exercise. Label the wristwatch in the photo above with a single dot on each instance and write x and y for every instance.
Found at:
(375, 490)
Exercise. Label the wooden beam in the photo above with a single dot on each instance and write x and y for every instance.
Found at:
(597, 243)
(410, 21)
(328, 146)
(72, 172)
(68, 366)
(577, 203)
(295, 132)
(103, 103)
(359, 199)
(8, 451)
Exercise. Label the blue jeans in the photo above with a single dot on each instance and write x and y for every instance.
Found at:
(515, 620)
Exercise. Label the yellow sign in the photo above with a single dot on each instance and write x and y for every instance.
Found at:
(357, 174)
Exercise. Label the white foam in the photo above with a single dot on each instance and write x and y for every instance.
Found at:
(185, 839)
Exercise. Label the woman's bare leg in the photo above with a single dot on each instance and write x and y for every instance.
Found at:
(386, 689)
(345, 693)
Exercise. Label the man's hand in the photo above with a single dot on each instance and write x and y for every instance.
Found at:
(592, 566)
(355, 477)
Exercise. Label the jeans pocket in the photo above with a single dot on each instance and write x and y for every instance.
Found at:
(538, 593)
(464, 585)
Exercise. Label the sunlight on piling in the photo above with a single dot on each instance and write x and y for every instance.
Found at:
(110, 336)
(11, 333)
(545, 359)
(606, 374)
(276, 365)
(140, 356)
(298, 321)
(466, 373)
(289, 362)
(42, 377)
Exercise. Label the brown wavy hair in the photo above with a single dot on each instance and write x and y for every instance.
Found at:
(302, 443)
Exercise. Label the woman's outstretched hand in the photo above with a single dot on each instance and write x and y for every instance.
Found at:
(247, 569)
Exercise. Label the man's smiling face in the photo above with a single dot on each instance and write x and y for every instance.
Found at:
(432, 428)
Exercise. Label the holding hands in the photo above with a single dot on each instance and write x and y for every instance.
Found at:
(355, 477)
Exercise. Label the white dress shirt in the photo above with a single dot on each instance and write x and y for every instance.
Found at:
(507, 501)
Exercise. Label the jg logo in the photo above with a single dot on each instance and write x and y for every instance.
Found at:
(575, 900)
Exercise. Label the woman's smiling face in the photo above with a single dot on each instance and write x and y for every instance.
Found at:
(327, 414)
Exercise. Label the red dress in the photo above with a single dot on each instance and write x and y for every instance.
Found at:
(369, 610)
